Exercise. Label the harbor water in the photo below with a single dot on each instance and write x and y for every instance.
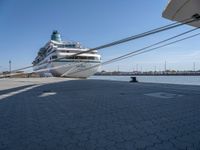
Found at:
(185, 80)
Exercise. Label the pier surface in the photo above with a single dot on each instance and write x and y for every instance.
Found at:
(61, 114)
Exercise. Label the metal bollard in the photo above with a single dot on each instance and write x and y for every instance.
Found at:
(133, 79)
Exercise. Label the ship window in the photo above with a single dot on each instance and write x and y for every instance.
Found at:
(70, 45)
(90, 58)
(64, 51)
(67, 46)
(93, 52)
(83, 57)
(61, 46)
(53, 57)
(93, 58)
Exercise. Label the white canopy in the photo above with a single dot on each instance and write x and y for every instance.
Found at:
(178, 10)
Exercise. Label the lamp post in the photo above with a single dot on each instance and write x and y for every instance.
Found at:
(10, 66)
(165, 66)
(194, 66)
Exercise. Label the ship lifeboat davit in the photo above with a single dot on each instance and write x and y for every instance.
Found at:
(179, 10)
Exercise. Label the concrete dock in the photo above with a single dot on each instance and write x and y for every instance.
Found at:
(62, 114)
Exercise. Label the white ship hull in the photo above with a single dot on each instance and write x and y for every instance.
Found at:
(66, 59)
(64, 68)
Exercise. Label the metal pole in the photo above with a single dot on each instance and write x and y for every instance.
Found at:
(136, 67)
(194, 66)
(10, 66)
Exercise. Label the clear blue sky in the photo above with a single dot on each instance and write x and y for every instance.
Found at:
(26, 25)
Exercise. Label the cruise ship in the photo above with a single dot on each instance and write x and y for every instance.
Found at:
(58, 58)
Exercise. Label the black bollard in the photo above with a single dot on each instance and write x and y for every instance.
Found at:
(133, 79)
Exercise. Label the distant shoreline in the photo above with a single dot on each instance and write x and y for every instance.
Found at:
(195, 74)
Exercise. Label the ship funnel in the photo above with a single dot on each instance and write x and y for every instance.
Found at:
(56, 36)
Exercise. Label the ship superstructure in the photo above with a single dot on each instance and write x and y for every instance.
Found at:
(56, 58)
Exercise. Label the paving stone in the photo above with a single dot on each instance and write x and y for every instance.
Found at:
(163, 146)
(90, 114)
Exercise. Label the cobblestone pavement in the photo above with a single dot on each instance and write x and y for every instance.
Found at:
(101, 115)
